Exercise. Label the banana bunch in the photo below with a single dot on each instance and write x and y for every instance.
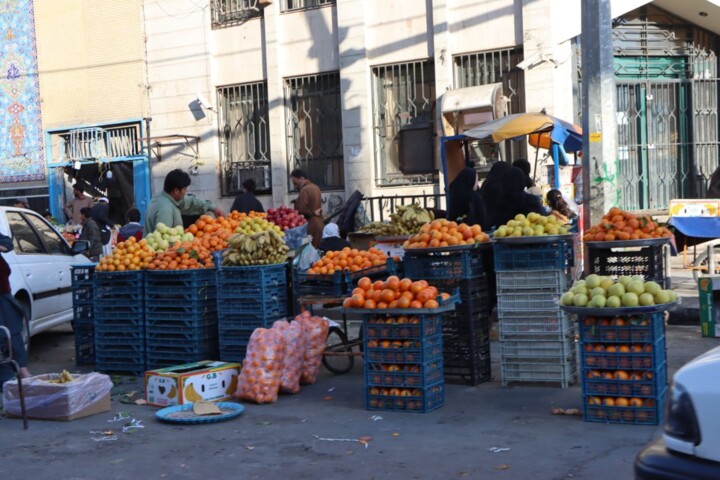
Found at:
(407, 220)
(263, 248)
(65, 377)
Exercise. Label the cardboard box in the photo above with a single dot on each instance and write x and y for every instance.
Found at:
(709, 292)
(207, 380)
(86, 395)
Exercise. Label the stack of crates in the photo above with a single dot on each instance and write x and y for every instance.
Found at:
(403, 361)
(83, 318)
(624, 368)
(180, 317)
(536, 337)
(466, 331)
(248, 298)
(649, 262)
(119, 322)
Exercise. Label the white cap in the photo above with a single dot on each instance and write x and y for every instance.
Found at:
(103, 199)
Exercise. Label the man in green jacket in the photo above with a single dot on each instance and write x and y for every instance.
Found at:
(171, 204)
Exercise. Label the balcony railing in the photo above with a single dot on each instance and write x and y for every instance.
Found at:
(230, 12)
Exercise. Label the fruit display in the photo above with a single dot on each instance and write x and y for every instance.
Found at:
(251, 225)
(444, 233)
(264, 248)
(165, 237)
(618, 224)
(186, 255)
(128, 255)
(347, 259)
(407, 220)
(285, 217)
(394, 293)
(603, 292)
(534, 225)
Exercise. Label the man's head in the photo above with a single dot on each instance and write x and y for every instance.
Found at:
(78, 191)
(21, 202)
(103, 200)
(298, 177)
(133, 215)
(249, 185)
(85, 213)
(176, 184)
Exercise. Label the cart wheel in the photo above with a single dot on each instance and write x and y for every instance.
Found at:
(701, 263)
(337, 342)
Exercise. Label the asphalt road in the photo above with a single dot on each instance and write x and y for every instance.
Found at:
(315, 434)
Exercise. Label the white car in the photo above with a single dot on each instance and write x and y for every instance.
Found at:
(41, 277)
(690, 445)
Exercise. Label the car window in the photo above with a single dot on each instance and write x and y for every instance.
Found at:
(24, 236)
(53, 242)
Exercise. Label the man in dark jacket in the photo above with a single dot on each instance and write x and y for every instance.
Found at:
(11, 316)
(91, 233)
(132, 228)
(246, 202)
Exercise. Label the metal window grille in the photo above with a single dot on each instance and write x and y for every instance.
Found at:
(314, 128)
(496, 66)
(403, 97)
(302, 4)
(226, 12)
(244, 135)
(110, 141)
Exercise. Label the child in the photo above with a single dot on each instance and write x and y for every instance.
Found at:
(132, 228)
(559, 207)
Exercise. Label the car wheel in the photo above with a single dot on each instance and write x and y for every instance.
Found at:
(26, 323)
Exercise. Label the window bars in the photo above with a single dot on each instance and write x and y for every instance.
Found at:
(230, 12)
(244, 135)
(289, 5)
(314, 128)
(403, 97)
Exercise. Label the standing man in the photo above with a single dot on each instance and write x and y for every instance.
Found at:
(171, 204)
(72, 209)
(309, 204)
(246, 202)
(91, 233)
(11, 316)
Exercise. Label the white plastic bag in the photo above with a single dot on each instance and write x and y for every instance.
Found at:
(259, 380)
(294, 358)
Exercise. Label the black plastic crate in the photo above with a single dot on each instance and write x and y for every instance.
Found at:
(443, 265)
(403, 376)
(467, 356)
(417, 400)
(84, 344)
(121, 320)
(648, 262)
(549, 256)
(474, 295)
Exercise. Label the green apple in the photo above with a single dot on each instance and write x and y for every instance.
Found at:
(578, 282)
(580, 300)
(500, 232)
(637, 278)
(613, 302)
(635, 287)
(580, 289)
(519, 217)
(528, 231)
(646, 299)
(592, 280)
(598, 301)
(662, 297)
(616, 289)
(606, 282)
(630, 299)
(624, 280)
(598, 291)
(567, 299)
(652, 287)
(672, 294)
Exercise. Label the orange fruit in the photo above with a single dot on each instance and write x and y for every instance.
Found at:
(369, 303)
(393, 282)
(403, 302)
(431, 304)
(365, 283)
(388, 295)
(405, 284)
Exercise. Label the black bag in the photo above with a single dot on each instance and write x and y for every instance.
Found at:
(105, 234)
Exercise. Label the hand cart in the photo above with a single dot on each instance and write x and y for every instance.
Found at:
(6, 357)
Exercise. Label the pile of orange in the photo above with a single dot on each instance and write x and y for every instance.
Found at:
(215, 232)
(444, 233)
(183, 256)
(128, 255)
(350, 259)
(394, 293)
(619, 224)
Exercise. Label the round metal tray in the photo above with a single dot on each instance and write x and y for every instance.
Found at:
(185, 414)
(645, 242)
(611, 312)
(533, 240)
(451, 248)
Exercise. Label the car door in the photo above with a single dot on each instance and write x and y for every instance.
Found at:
(38, 266)
(61, 256)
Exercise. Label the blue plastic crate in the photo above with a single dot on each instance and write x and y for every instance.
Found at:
(650, 356)
(250, 320)
(83, 275)
(119, 336)
(646, 328)
(412, 327)
(235, 336)
(232, 353)
(186, 286)
(83, 314)
(200, 342)
(189, 353)
(650, 413)
(463, 264)
(550, 256)
(131, 280)
(82, 294)
(134, 365)
(417, 400)
(84, 344)
(187, 334)
(641, 383)
(262, 305)
(404, 351)
(403, 376)
(105, 347)
(119, 319)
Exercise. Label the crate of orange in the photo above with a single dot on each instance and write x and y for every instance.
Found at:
(396, 296)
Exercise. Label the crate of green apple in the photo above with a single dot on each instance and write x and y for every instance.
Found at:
(600, 295)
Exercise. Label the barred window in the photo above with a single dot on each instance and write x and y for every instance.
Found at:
(244, 135)
(231, 12)
(288, 5)
(404, 123)
(314, 128)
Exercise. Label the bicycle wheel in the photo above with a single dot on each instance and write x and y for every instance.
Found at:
(338, 356)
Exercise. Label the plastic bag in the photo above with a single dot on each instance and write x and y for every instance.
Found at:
(294, 358)
(316, 332)
(259, 380)
(308, 256)
(56, 401)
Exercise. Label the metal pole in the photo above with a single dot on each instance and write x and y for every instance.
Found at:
(599, 122)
